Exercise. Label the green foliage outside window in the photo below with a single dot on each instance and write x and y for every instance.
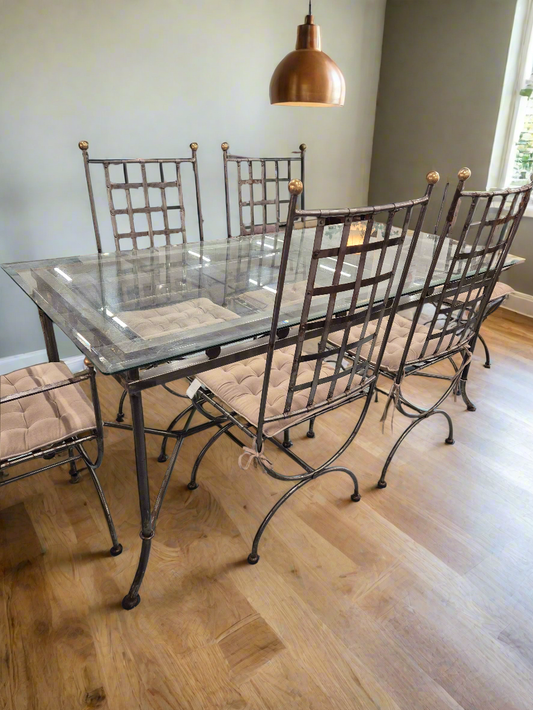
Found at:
(523, 162)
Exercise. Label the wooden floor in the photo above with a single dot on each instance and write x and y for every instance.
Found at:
(418, 597)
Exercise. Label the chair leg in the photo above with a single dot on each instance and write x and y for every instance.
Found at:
(253, 557)
(287, 443)
(75, 476)
(192, 485)
(311, 430)
(163, 456)
(382, 483)
(120, 413)
(117, 547)
(466, 399)
(487, 352)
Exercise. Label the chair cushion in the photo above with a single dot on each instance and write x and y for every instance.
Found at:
(263, 229)
(262, 299)
(397, 341)
(240, 384)
(42, 419)
(500, 290)
(153, 322)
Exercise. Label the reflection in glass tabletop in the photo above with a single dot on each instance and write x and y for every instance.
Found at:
(138, 308)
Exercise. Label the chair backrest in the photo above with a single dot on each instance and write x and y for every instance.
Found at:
(261, 209)
(361, 287)
(482, 239)
(154, 221)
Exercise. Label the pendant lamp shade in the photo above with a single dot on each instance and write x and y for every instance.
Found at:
(307, 76)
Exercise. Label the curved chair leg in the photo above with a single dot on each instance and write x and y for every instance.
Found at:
(192, 485)
(163, 452)
(120, 413)
(117, 547)
(487, 352)
(466, 399)
(253, 557)
(311, 430)
(382, 483)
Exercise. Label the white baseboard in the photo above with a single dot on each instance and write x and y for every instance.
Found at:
(520, 303)
(17, 362)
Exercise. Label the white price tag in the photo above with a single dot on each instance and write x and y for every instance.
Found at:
(193, 388)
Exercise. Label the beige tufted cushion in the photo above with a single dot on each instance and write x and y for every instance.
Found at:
(261, 298)
(34, 422)
(239, 385)
(397, 341)
(500, 290)
(196, 313)
(263, 229)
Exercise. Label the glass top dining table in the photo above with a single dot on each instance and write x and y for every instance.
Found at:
(135, 309)
(154, 316)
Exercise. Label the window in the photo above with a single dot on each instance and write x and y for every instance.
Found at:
(512, 157)
(521, 158)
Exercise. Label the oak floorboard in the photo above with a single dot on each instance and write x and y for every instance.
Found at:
(419, 597)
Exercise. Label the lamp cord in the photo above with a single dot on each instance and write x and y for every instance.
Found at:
(310, 8)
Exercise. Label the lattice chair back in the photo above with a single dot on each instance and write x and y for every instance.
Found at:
(155, 214)
(354, 279)
(482, 238)
(259, 184)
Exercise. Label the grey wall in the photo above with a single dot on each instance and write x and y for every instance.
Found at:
(442, 72)
(139, 78)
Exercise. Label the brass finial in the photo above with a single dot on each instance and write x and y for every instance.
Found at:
(303, 146)
(194, 146)
(225, 146)
(87, 362)
(464, 174)
(432, 177)
(296, 187)
(83, 145)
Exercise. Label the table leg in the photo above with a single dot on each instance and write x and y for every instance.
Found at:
(49, 337)
(132, 598)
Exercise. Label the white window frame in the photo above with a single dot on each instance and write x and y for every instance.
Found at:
(518, 70)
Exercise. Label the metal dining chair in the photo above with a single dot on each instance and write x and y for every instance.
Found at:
(245, 176)
(166, 175)
(263, 396)
(500, 294)
(156, 220)
(266, 212)
(459, 305)
(44, 412)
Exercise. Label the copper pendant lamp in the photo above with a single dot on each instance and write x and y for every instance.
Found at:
(307, 76)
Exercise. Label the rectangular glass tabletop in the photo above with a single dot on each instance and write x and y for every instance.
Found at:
(138, 308)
